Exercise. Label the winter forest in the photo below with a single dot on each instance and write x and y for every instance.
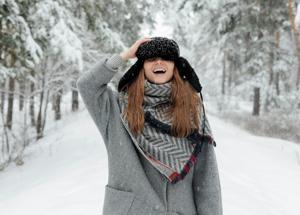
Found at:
(245, 52)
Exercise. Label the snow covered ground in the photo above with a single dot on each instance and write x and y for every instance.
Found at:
(65, 173)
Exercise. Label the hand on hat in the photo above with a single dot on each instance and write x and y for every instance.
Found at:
(130, 53)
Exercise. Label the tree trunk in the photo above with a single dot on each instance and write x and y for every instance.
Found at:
(269, 95)
(295, 34)
(31, 101)
(11, 89)
(45, 112)
(2, 99)
(57, 105)
(42, 115)
(5, 143)
(21, 95)
(277, 76)
(277, 84)
(256, 101)
(75, 103)
(10, 107)
(53, 98)
(229, 77)
(224, 73)
(271, 71)
(39, 118)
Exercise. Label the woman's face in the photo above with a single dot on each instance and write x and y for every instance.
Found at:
(158, 71)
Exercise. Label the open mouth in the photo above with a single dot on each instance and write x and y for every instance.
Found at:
(159, 71)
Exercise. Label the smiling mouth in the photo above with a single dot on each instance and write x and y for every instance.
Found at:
(159, 71)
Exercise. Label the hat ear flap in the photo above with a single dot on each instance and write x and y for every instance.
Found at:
(131, 74)
(187, 72)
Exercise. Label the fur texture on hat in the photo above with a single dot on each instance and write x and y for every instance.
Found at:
(158, 47)
(167, 49)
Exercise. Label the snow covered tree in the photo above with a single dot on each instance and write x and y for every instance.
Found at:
(19, 51)
(45, 45)
(239, 48)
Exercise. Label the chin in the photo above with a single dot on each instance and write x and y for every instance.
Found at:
(159, 81)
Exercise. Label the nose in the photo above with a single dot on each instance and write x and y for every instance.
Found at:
(158, 60)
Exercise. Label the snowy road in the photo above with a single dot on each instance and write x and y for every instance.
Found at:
(66, 172)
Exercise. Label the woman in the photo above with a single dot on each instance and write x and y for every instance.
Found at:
(160, 148)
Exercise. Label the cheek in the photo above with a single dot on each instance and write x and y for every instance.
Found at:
(147, 72)
(147, 68)
(171, 69)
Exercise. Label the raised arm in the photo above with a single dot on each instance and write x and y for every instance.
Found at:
(96, 95)
(99, 99)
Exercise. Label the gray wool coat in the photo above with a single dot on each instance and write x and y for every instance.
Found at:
(134, 186)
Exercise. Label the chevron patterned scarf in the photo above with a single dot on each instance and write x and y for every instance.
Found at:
(171, 156)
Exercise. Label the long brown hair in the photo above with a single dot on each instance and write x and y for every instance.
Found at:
(185, 106)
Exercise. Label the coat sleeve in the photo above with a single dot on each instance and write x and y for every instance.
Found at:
(98, 98)
(206, 183)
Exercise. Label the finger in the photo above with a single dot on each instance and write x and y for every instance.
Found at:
(146, 39)
(143, 40)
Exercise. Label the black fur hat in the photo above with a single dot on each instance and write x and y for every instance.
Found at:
(167, 49)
